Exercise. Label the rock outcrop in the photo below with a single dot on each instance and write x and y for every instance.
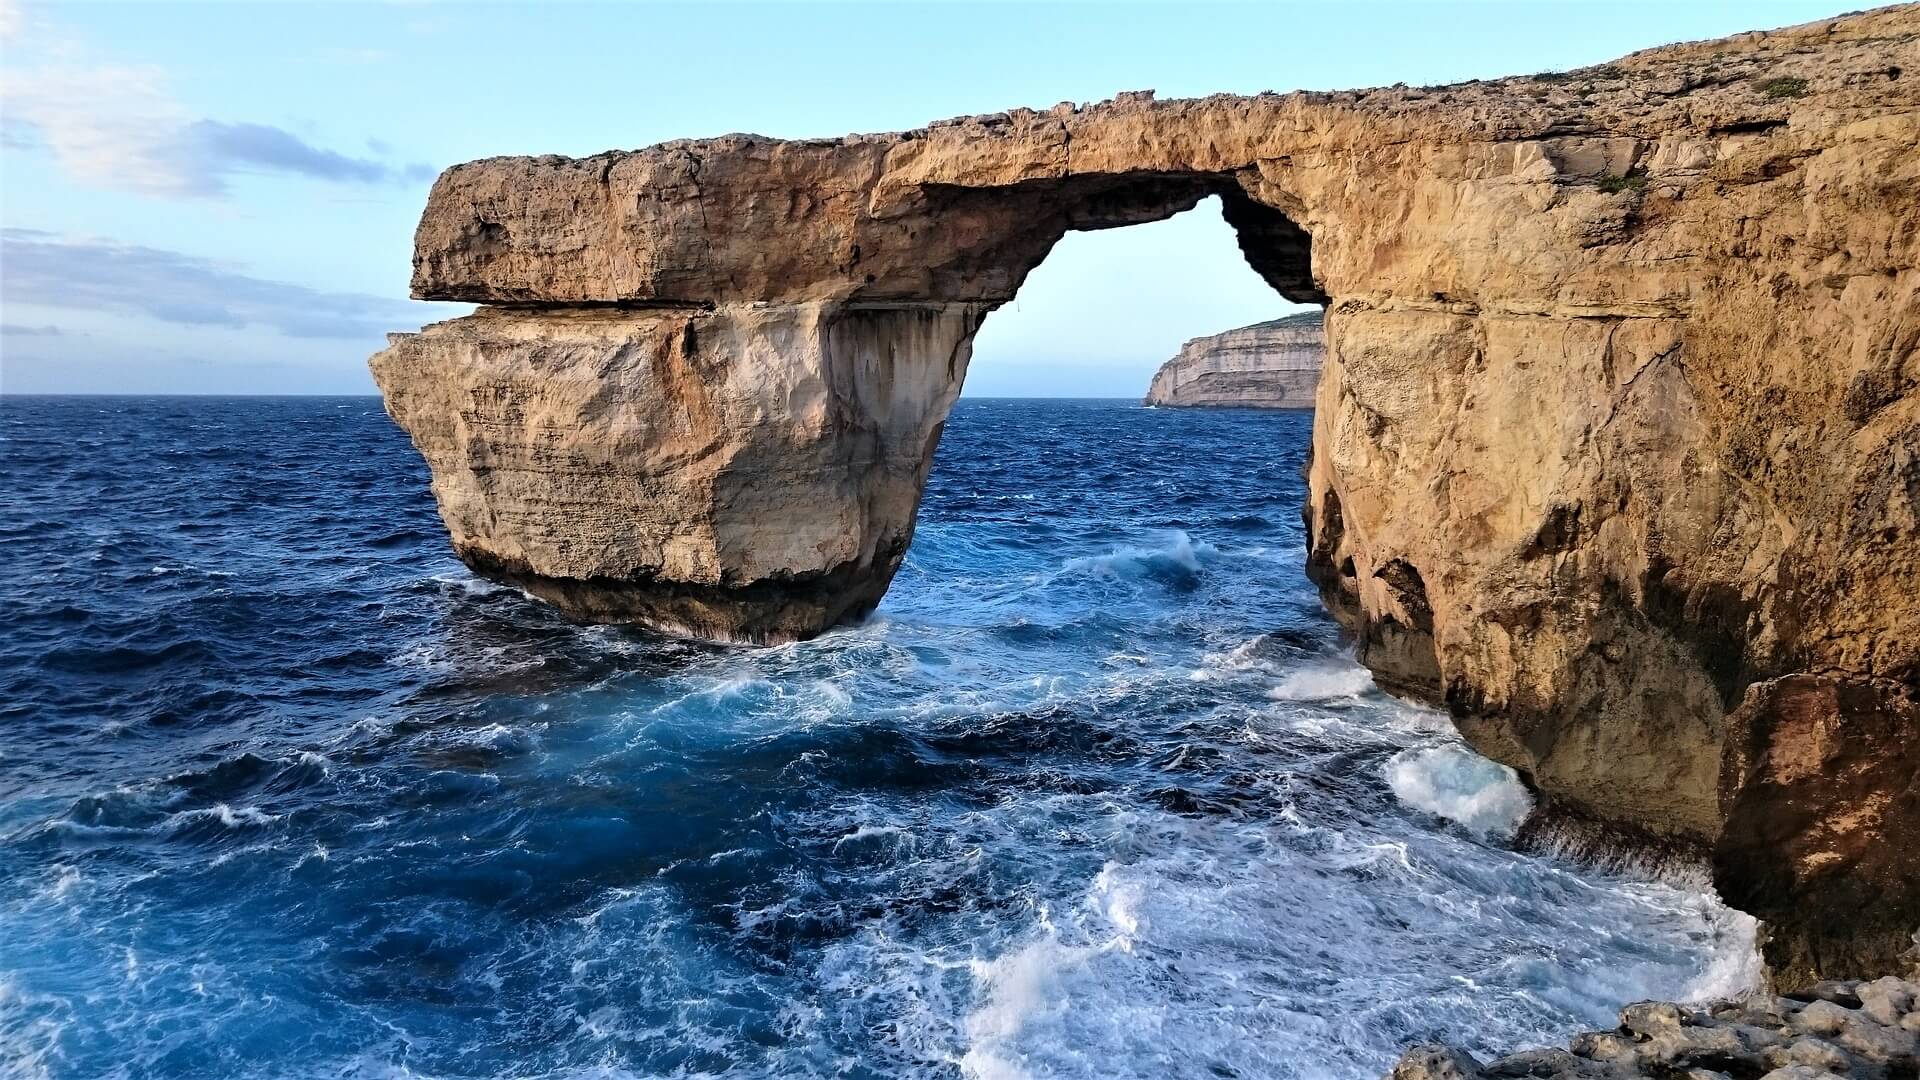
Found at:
(1269, 365)
(749, 472)
(1835, 1030)
(1616, 445)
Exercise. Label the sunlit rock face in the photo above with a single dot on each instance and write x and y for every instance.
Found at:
(1269, 365)
(1618, 423)
(746, 472)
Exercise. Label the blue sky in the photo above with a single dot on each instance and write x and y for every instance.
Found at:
(220, 198)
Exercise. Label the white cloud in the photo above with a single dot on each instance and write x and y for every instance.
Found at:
(109, 126)
(119, 126)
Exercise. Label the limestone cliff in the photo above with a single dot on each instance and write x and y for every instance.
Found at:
(1616, 445)
(1269, 365)
(749, 472)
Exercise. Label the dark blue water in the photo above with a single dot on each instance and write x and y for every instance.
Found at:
(285, 792)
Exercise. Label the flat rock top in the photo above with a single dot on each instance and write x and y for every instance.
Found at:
(1695, 85)
(1306, 320)
(943, 212)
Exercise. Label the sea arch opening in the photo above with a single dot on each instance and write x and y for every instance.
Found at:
(754, 462)
(1024, 234)
(1107, 308)
(1096, 502)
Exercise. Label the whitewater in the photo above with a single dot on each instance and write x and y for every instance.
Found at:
(1097, 791)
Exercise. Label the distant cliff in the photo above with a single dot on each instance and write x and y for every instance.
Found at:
(1269, 365)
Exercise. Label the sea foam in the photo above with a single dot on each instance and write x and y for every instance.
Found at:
(1457, 784)
(1176, 554)
(1324, 682)
(995, 829)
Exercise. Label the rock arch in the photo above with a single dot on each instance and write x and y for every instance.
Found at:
(743, 383)
(1617, 446)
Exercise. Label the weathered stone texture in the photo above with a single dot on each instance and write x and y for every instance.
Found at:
(748, 472)
(1619, 424)
(1835, 1030)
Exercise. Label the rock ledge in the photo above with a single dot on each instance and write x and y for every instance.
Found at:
(1834, 1031)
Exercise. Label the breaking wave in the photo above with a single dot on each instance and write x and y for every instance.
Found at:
(1176, 559)
(1095, 793)
(1457, 784)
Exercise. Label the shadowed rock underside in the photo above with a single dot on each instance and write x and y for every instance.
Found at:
(1616, 447)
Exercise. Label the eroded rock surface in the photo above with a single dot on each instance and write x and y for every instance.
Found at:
(1269, 365)
(746, 472)
(1833, 1031)
(1617, 442)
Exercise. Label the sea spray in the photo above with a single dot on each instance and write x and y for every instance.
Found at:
(352, 811)
(1455, 783)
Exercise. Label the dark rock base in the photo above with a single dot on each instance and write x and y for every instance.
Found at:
(759, 613)
(1834, 1031)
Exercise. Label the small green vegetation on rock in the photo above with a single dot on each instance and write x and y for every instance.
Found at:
(1633, 181)
(1784, 88)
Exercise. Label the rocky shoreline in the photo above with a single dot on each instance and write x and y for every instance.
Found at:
(1853, 1030)
(1268, 365)
(1614, 451)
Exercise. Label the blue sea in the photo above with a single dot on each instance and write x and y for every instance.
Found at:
(1097, 792)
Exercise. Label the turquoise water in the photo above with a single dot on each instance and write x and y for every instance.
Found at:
(285, 791)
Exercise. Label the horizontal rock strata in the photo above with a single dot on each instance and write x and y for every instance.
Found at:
(1616, 444)
(745, 472)
(1269, 365)
(1835, 1031)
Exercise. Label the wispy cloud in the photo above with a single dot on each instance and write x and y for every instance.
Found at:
(18, 330)
(50, 271)
(258, 145)
(120, 126)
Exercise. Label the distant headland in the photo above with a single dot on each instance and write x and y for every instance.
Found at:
(1269, 365)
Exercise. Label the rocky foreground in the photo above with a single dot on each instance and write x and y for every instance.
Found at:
(1616, 448)
(1835, 1031)
(1269, 365)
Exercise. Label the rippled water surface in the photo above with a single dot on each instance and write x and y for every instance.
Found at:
(284, 791)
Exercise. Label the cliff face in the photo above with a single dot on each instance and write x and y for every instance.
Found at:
(1616, 445)
(1269, 365)
(745, 473)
